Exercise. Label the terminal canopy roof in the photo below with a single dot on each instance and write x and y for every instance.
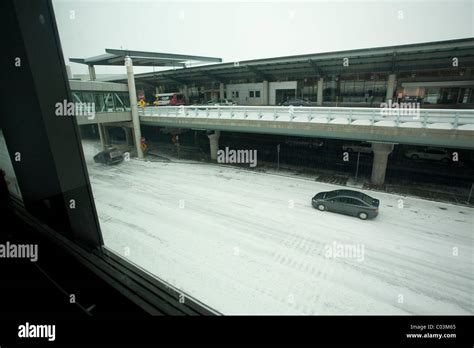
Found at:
(140, 58)
(394, 59)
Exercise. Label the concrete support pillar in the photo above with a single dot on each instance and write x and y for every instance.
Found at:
(379, 165)
(221, 91)
(186, 94)
(133, 105)
(128, 139)
(333, 89)
(214, 144)
(391, 87)
(92, 72)
(106, 133)
(319, 101)
(101, 136)
(265, 93)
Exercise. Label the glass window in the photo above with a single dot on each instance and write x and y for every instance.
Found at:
(171, 218)
(99, 102)
(126, 100)
(87, 97)
(119, 104)
(109, 102)
(367, 199)
(77, 97)
(7, 167)
(354, 201)
(359, 92)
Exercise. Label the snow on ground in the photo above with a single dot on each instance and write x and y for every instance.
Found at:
(250, 243)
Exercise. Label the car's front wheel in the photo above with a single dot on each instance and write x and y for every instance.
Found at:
(363, 216)
(414, 157)
(321, 207)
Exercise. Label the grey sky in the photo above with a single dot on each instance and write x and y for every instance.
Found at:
(240, 30)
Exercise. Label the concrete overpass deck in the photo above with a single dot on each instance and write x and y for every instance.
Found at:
(434, 127)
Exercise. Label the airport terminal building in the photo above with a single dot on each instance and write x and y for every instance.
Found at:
(342, 90)
(436, 74)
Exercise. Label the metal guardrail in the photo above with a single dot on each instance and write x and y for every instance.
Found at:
(408, 118)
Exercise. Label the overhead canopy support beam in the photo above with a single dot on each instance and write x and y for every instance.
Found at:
(315, 67)
(175, 79)
(394, 62)
(214, 77)
(162, 55)
(259, 74)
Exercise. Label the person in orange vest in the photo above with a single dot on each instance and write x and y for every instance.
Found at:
(143, 145)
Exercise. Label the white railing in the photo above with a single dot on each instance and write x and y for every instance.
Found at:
(409, 118)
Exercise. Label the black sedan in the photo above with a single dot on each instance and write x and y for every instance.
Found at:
(109, 156)
(348, 202)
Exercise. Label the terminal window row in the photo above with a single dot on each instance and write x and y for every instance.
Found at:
(104, 101)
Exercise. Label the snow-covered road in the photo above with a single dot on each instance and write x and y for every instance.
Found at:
(251, 243)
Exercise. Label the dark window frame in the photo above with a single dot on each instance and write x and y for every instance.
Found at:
(54, 171)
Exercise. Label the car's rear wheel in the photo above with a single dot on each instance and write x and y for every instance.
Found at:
(321, 207)
(363, 216)
(415, 157)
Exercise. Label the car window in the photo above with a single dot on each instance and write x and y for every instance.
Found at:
(355, 201)
(367, 199)
(346, 200)
(331, 194)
